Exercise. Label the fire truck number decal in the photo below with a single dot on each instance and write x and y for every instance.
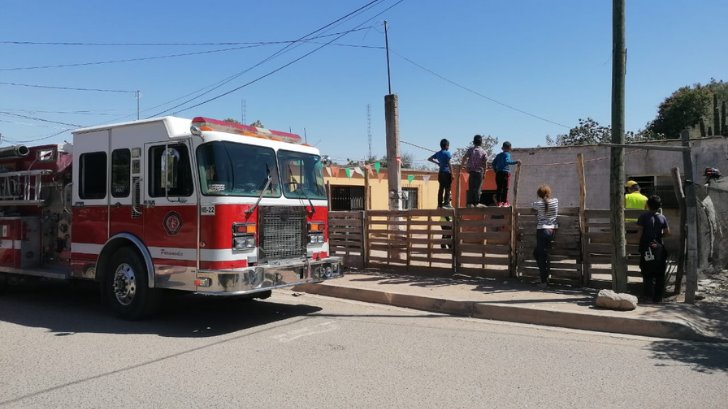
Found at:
(207, 210)
(172, 223)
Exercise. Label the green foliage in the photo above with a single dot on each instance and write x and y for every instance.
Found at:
(687, 106)
(257, 124)
(235, 121)
(591, 132)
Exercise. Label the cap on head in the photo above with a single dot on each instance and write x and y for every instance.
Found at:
(630, 183)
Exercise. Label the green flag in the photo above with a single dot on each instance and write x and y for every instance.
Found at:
(377, 166)
(410, 178)
(348, 172)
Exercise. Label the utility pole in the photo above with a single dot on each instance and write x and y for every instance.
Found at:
(616, 176)
(242, 111)
(391, 118)
(691, 228)
(138, 95)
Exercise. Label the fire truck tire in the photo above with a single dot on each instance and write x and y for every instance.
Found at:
(126, 286)
(3, 283)
(263, 295)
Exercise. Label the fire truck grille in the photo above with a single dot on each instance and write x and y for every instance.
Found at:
(282, 233)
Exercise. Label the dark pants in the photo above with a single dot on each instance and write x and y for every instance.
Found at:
(653, 272)
(474, 183)
(446, 235)
(544, 238)
(501, 186)
(443, 193)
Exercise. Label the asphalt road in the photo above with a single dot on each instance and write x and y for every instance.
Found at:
(60, 348)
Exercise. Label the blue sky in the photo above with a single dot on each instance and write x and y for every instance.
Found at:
(549, 59)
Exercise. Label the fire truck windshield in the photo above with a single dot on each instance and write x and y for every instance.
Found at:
(302, 175)
(237, 169)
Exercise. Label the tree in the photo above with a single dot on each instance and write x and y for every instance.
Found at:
(235, 121)
(683, 109)
(489, 144)
(590, 132)
(692, 108)
(257, 124)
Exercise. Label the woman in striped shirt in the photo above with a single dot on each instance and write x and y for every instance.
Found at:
(547, 210)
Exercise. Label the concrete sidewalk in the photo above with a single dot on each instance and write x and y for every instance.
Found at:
(513, 301)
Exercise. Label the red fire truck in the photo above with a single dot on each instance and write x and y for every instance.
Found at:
(199, 205)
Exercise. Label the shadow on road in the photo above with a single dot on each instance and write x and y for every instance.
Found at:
(66, 309)
(699, 356)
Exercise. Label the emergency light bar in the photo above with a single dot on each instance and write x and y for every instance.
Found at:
(209, 124)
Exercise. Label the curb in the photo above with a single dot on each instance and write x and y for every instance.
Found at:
(673, 329)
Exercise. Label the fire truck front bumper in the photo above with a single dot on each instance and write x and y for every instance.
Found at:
(269, 276)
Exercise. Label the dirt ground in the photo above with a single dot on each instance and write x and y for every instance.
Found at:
(713, 287)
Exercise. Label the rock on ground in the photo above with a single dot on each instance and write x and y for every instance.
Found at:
(616, 301)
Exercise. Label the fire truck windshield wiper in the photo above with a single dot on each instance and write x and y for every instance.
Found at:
(260, 196)
(303, 190)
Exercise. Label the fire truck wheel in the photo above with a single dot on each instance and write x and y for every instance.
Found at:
(126, 286)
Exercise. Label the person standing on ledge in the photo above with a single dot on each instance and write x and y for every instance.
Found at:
(502, 167)
(444, 176)
(476, 159)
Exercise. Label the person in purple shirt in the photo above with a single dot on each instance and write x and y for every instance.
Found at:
(502, 167)
(444, 176)
(652, 227)
(476, 159)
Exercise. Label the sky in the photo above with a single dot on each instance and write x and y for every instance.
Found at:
(516, 70)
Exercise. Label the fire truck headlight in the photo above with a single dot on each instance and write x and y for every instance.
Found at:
(243, 242)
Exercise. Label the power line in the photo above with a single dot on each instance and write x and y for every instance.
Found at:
(472, 91)
(34, 118)
(178, 44)
(158, 57)
(296, 43)
(66, 88)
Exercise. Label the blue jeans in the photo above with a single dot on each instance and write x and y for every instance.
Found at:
(544, 238)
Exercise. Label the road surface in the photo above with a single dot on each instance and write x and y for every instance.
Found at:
(60, 348)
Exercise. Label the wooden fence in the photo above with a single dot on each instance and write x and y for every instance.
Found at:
(487, 242)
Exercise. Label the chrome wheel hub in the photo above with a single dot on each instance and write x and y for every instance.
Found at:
(124, 284)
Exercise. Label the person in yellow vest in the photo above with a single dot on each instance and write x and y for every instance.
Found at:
(634, 199)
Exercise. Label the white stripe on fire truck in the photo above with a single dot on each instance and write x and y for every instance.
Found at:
(10, 244)
(86, 248)
(223, 255)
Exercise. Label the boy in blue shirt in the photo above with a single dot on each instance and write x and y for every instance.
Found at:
(502, 167)
(444, 176)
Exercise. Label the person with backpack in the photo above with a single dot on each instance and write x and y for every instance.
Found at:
(652, 227)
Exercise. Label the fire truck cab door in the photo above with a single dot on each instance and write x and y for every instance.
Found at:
(170, 213)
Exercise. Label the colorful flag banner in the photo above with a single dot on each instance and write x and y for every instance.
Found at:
(380, 176)
(335, 169)
(410, 178)
(359, 171)
(328, 170)
(426, 178)
(348, 172)
(377, 166)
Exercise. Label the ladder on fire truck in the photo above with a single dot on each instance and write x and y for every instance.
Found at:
(22, 188)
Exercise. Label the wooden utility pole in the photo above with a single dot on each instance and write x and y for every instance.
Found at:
(581, 174)
(691, 231)
(616, 175)
(391, 118)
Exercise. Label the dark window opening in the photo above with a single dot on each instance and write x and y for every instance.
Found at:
(347, 197)
(409, 201)
(92, 172)
(120, 172)
(169, 171)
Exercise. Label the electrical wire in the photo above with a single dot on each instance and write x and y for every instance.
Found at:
(67, 88)
(158, 57)
(34, 118)
(283, 50)
(472, 91)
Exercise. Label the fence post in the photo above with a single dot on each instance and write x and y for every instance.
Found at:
(514, 225)
(677, 183)
(365, 239)
(585, 270)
